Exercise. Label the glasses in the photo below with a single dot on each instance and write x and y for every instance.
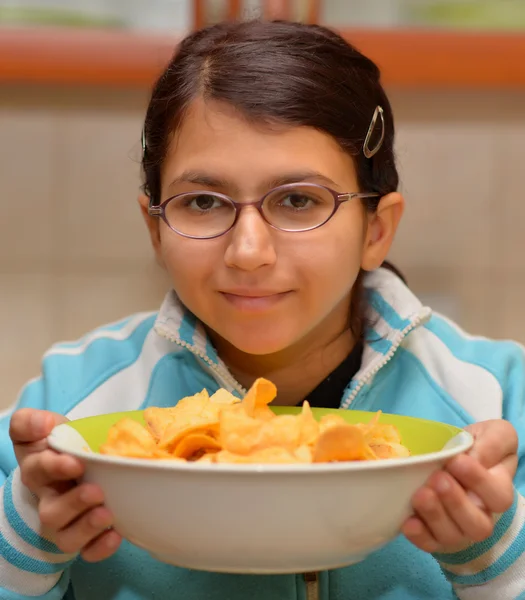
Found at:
(291, 207)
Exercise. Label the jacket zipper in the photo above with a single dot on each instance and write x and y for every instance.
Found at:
(423, 317)
(227, 377)
(221, 373)
(311, 582)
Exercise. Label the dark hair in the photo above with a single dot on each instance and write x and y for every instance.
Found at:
(277, 72)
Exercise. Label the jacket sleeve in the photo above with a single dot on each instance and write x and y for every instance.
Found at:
(495, 568)
(30, 564)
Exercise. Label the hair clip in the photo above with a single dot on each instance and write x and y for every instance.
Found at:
(367, 151)
(143, 141)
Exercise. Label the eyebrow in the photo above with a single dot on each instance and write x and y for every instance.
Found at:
(207, 180)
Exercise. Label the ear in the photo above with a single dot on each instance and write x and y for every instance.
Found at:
(153, 225)
(381, 230)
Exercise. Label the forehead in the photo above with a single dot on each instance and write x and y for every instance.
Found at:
(217, 138)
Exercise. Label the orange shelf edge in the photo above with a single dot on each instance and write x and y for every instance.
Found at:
(407, 58)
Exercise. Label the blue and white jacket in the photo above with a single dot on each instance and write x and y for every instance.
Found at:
(415, 364)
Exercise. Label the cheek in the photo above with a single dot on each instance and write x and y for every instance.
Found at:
(188, 262)
(334, 260)
(330, 278)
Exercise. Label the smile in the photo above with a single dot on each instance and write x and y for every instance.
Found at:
(254, 303)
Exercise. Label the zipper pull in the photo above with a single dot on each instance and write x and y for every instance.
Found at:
(312, 585)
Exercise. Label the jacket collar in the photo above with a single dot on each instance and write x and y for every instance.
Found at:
(393, 312)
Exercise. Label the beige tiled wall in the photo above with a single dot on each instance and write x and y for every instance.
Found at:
(461, 155)
(74, 253)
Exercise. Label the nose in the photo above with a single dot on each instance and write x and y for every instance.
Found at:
(251, 245)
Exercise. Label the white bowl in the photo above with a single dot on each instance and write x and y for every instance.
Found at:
(258, 518)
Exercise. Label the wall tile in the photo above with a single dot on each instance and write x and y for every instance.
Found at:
(509, 198)
(13, 378)
(511, 305)
(467, 297)
(27, 323)
(101, 217)
(447, 176)
(28, 176)
(90, 300)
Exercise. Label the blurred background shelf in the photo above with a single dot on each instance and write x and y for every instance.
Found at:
(417, 58)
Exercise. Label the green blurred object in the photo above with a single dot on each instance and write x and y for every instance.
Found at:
(420, 436)
(469, 14)
(52, 17)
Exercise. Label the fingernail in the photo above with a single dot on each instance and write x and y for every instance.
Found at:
(442, 485)
(475, 499)
(113, 540)
(68, 465)
(413, 527)
(38, 424)
(460, 471)
(85, 496)
(99, 520)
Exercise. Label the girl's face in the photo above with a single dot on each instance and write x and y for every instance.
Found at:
(259, 289)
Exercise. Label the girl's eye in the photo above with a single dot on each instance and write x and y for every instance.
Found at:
(204, 202)
(297, 201)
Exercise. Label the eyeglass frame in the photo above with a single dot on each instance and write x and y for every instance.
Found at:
(159, 210)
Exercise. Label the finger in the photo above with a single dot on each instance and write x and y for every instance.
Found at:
(102, 547)
(494, 440)
(474, 523)
(432, 513)
(56, 512)
(44, 468)
(83, 531)
(417, 532)
(508, 464)
(494, 488)
(28, 425)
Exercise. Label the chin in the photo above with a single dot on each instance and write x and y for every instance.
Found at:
(260, 343)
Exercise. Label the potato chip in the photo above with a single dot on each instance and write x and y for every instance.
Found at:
(157, 420)
(304, 454)
(265, 456)
(225, 429)
(209, 457)
(238, 431)
(309, 427)
(366, 428)
(283, 431)
(129, 438)
(196, 414)
(193, 403)
(195, 443)
(390, 450)
(342, 442)
(178, 431)
(329, 421)
(258, 397)
(383, 432)
(222, 396)
(163, 455)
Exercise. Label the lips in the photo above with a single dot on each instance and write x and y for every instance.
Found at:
(252, 293)
(254, 301)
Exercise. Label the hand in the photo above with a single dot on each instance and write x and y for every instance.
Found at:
(72, 514)
(455, 507)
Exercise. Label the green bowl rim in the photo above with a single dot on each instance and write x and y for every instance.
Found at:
(461, 442)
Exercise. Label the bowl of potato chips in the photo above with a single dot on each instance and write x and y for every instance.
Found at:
(223, 484)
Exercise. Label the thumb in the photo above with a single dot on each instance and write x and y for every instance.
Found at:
(493, 441)
(29, 425)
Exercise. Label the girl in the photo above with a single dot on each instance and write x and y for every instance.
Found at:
(271, 200)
